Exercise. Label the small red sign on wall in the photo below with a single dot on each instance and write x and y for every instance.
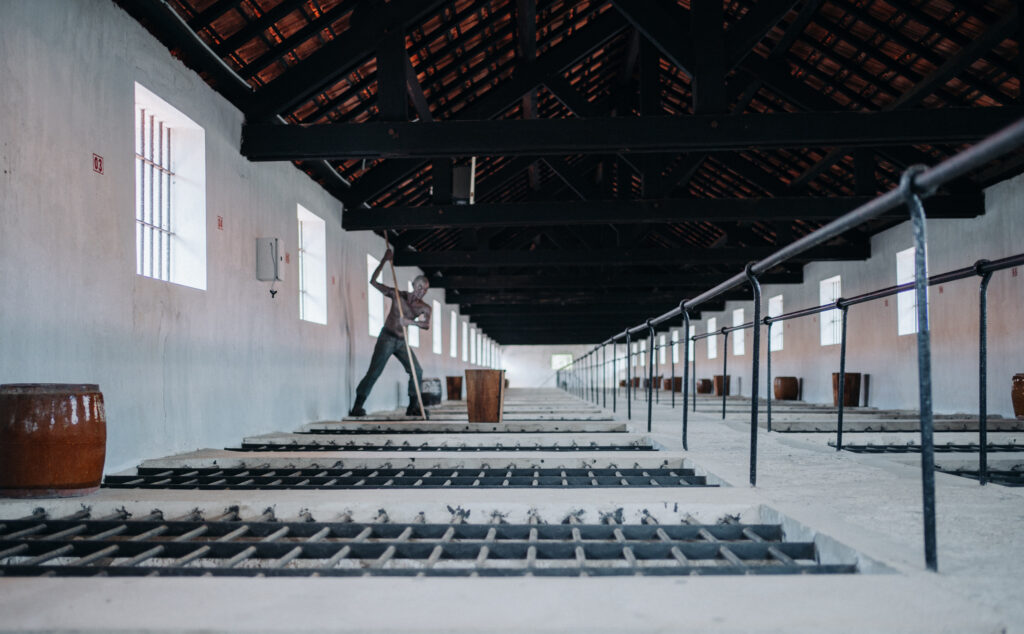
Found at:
(287, 258)
(220, 222)
(97, 163)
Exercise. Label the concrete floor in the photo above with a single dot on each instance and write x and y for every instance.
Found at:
(853, 505)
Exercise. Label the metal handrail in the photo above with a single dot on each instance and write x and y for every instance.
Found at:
(916, 183)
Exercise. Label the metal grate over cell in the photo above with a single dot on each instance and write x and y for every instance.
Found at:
(391, 478)
(229, 546)
(352, 446)
(1005, 477)
(916, 448)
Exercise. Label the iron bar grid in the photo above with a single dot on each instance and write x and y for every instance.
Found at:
(916, 448)
(1005, 477)
(352, 446)
(229, 546)
(391, 478)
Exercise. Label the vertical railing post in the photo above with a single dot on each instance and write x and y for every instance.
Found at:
(615, 376)
(693, 378)
(686, 359)
(629, 378)
(725, 367)
(983, 371)
(650, 374)
(672, 379)
(769, 387)
(604, 376)
(841, 392)
(924, 362)
(756, 370)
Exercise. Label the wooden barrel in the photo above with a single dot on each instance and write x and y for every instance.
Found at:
(454, 388)
(485, 395)
(53, 440)
(674, 385)
(722, 384)
(704, 386)
(1017, 395)
(430, 390)
(787, 388)
(851, 389)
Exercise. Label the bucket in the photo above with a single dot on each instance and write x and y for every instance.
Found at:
(53, 439)
(485, 395)
(430, 390)
(454, 388)
(786, 388)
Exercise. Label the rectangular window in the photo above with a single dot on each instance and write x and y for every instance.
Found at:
(661, 349)
(739, 337)
(414, 331)
(712, 341)
(774, 310)
(693, 333)
(453, 334)
(374, 299)
(170, 193)
(465, 341)
(633, 356)
(675, 346)
(561, 361)
(641, 359)
(906, 302)
(831, 320)
(473, 347)
(312, 266)
(436, 321)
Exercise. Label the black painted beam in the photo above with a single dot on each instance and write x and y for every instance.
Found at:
(660, 26)
(698, 133)
(700, 281)
(640, 310)
(554, 213)
(707, 34)
(616, 257)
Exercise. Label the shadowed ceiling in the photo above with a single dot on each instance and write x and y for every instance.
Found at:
(629, 154)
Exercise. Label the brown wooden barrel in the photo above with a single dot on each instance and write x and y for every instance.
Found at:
(485, 395)
(704, 386)
(786, 388)
(722, 384)
(53, 440)
(851, 389)
(454, 388)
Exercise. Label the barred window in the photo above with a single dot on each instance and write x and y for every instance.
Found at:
(170, 193)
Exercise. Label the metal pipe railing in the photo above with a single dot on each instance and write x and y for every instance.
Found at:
(916, 183)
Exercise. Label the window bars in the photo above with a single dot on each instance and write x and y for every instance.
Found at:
(228, 545)
(917, 182)
(154, 181)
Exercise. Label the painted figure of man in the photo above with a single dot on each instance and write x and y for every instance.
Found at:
(391, 340)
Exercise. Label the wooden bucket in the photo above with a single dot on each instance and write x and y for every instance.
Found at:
(53, 440)
(485, 395)
(454, 388)
(787, 388)
(704, 386)
(851, 389)
(722, 384)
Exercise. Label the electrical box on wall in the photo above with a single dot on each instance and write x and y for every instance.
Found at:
(269, 260)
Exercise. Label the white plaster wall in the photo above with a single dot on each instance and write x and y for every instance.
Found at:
(530, 366)
(873, 346)
(179, 368)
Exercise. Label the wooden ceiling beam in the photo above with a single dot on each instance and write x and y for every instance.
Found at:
(697, 133)
(626, 211)
(616, 257)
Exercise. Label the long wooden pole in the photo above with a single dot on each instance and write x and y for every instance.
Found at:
(405, 334)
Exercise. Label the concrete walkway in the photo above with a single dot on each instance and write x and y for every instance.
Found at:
(867, 507)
